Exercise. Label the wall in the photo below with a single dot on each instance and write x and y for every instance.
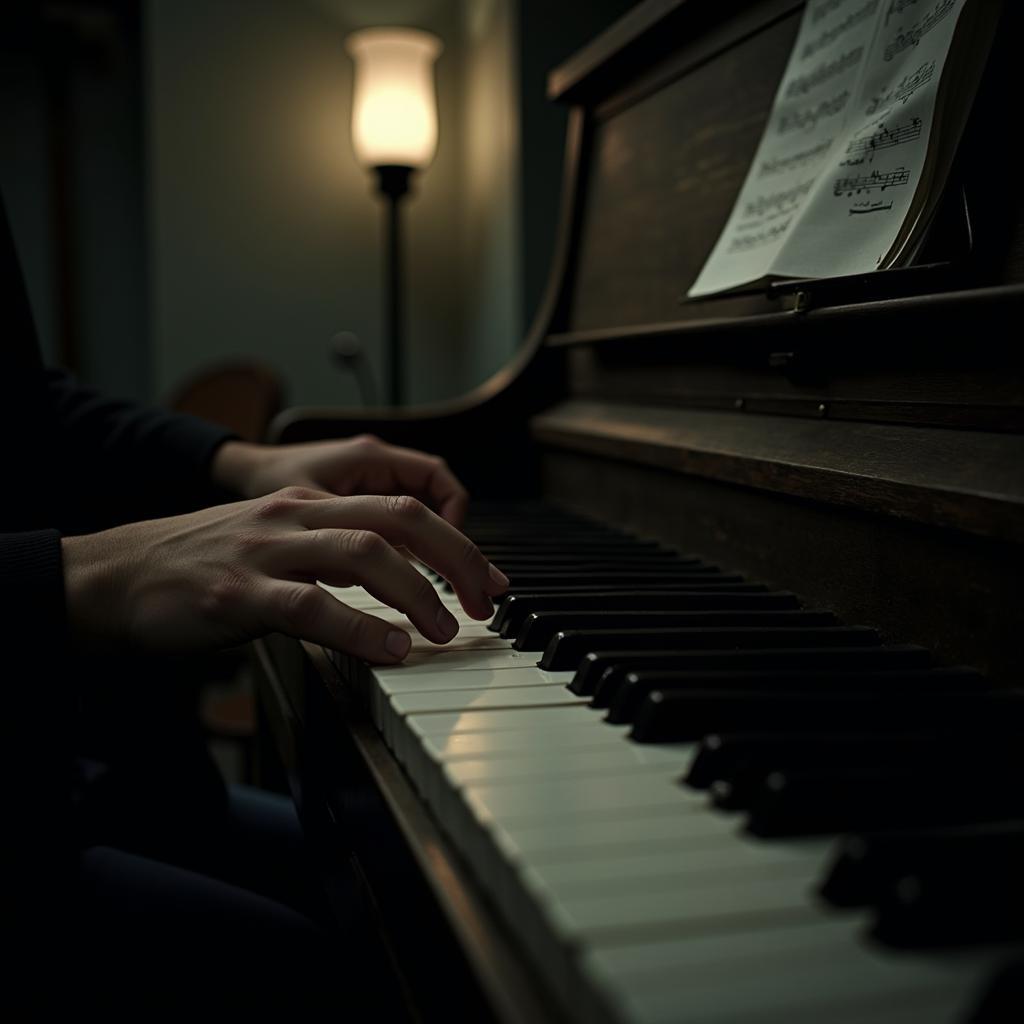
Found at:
(266, 235)
(72, 177)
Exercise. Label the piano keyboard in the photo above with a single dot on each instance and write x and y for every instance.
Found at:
(552, 745)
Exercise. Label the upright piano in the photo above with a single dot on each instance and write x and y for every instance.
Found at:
(743, 743)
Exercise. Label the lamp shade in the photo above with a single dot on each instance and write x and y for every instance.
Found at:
(394, 110)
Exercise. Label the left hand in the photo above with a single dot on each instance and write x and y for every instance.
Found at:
(358, 465)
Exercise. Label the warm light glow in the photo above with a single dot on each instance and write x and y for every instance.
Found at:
(394, 110)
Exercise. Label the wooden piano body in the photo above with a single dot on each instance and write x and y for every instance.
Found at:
(860, 444)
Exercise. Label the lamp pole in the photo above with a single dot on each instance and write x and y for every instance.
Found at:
(394, 131)
(393, 184)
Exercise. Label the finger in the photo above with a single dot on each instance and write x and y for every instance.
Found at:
(343, 557)
(424, 476)
(306, 611)
(404, 521)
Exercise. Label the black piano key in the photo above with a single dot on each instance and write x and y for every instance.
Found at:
(664, 576)
(513, 612)
(670, 716)
(635, 686)
(601, 672)
(566, 558)
(1002, 1001)
(865, 865)
(540, 627)
(987, 763)
(795, 803)
(567, 649)
(656, 585)
(540, 546)
(979, 900)
(567, 566)
(725, 756)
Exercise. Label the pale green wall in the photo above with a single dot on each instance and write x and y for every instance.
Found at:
(265, 233)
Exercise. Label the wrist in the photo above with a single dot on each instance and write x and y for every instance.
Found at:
(235, 465)
(92, 595)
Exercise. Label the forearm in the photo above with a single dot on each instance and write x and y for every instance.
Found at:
(123, 461)
(235, 464)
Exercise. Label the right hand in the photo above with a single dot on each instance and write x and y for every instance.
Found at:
(230, 573)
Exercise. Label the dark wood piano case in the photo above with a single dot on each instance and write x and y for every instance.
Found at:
(859, 442)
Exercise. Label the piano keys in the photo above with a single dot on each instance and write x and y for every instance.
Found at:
(658, 881)
(748, 709)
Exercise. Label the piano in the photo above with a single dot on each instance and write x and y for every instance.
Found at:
(744, 742)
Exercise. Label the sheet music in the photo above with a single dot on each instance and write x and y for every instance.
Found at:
(836, 172)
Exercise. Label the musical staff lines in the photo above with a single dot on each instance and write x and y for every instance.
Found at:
(755, 239)
(876, 207)
(903, 90)
(860, 150)
(790, 162)
(913, 35)
(808, 118)
(829, 36)
(823, 73)
(897, 7)
(773, 202)
(876, 181)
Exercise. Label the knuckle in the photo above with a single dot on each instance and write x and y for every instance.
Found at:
(224, 595)
(404, 506)
(277, 505)
(425, 593)
(367, 440)
(362, 545)
(252, 542)
(471, 554)
(299, 608)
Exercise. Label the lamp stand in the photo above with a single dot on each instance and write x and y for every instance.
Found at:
(393, 184)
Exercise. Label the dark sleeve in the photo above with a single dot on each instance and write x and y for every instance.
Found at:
(128, 462)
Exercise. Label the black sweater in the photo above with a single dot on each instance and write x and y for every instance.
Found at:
(75, 462)
(72, 462)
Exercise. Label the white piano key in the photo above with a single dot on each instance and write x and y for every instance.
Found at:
(396, 707)
(803, 973)
(654, 869)
(556, 721)
(524, 743)
(637, 900)
(441, 660)
(471, 679)
(538, 761)
(553, 842)
(568, 798)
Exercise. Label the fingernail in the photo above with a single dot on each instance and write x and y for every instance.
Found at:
(446, 624)
(397, 644)
(498, 576)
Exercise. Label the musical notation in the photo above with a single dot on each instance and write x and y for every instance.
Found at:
(775, 201)
(829, 36)
(847, 138)
(863, 149)
(824, 9)
(808, 118)
(876, 207)
(803, 84)
(791, 161)
(876, 181)
(903, 90)
(913, 35)
(755, 239)
(897, 7)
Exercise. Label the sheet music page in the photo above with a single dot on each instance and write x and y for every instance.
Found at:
(836, 171)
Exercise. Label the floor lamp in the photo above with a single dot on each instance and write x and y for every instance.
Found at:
(394, 132)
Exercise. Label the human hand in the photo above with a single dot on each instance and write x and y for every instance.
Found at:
(358, 465)
(230, 573)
